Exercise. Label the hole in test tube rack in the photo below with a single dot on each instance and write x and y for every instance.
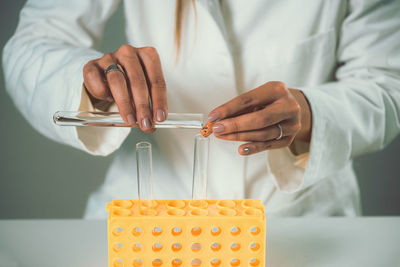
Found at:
(215, 230)
(157, 247)
(235, 246)
(215, 246)
(176, 262)
(196, 247)
(199, 212)
(196, 231)
(123, 203)
(255, 246)
(196, 262)
(122, 212)
(176, 203)
(254, 262)
(137, 247)
(157, 231)
(176, 231)
(137, 263)
(255, 230)
(227, 212)
(118, 263)
(226, 203)
(235, 262)
(200, 204)
(215, 262)
(252, 212)
(175, 212)
(148, 212)
(137, 231)
(252, 203)
(118, 247)
(157, 262)
(118, 231)
(235, 230)
(176, 247)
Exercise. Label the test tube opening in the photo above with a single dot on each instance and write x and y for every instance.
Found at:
(144, 174)
(200, 167)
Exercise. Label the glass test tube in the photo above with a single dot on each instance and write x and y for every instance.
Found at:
(200, 168)
(113, 119)
(144, 174)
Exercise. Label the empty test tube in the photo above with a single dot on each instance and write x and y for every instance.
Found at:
(144, 174)
(200, 168)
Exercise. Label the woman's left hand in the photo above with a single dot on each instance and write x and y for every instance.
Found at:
(254, 117)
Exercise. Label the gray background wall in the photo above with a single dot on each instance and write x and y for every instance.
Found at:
(33, 183)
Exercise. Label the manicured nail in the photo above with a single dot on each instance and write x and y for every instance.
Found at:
(160, 115)
(218, 128)
(246, 150)
(110, 99)
(213, 116)
(131, 119)
(146, 123)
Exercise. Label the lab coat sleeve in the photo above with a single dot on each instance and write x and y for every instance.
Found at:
(360, 112)
(43, 63)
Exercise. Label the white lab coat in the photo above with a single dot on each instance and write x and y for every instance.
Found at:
(344, 55)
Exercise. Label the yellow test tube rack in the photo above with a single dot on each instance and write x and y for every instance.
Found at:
(186, 233)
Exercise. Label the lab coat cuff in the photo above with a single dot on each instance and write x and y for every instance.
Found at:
(318, 151)
(292, 174)
(100, 141)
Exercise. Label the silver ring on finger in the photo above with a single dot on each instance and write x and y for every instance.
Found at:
(113, 67)
(280, 132)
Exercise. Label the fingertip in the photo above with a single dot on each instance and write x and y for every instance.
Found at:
(244, 150)
(213, 116)
(131, 119)
(160, 115)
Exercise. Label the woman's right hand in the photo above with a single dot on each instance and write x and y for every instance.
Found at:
(139, 91)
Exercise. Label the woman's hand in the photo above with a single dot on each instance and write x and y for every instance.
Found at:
(254, 116)
(139, 90)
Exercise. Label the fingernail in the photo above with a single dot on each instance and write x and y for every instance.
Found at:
(131, 119)
(218, 128)
(110, 99)
(146, 124)
(213, 116)
(246, 150)
(160, 115)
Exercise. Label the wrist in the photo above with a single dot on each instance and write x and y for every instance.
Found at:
(306, 116)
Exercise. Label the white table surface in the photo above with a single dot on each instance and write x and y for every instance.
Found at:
(290, 242)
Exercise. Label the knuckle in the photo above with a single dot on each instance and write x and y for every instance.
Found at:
(234, 127)
(124, 102)
(108, 57)
(262, 121)
(89, 74)
(115, 77)
(236, 136)
(89, 65)
(294, 107)
(126, 49)
(245, 100)
(159, 82)
(265, 136)
(143, 107)
(150, 51)
(280, 88)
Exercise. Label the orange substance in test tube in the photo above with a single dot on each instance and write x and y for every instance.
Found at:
(207, 129)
